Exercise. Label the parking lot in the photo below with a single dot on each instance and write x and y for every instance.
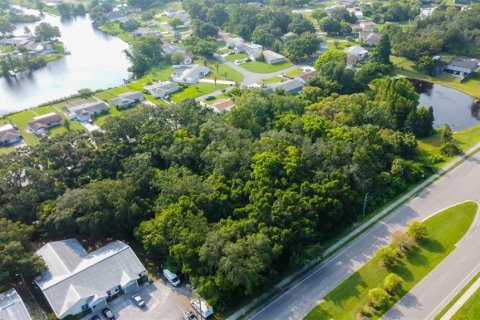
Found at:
(163, 302)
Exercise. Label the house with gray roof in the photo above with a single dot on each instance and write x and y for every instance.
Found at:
(272, 57)
(76, 280)
(12, 306)
(41, 124)
(462, 67)
(127, 99)
(161, 90)
(190, 74)
(9, 135)
(293, 86)
(82, 110)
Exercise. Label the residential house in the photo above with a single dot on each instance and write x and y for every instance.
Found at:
(170, 49)
(251, 49)
(41, 124)
(358, 14)
(426, 13)
(233, 42)
(36, 48)
(161, 90)
(185, 18)
(307, 75)
(272, 57)
(144, 31)
(170, 13)
(223, 105)
(76, 281)
(462, 67)
(367, 26)
(293, 86)
(187, 58)
(116, 14)
(357, 51)
(9, 135)
(127, 99)
(16, 41)
(82, 110)
(371, 39)
(12, 306)
(190, 74)
(329, 10)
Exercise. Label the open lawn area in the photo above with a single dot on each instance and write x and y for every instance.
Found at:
(275, 79)
(196, 90)
(21, 120)
(464, 139)
(339, 44)
(234, 57)
(114, 29)
(445, 230)
(224, 72)
(160, 73)
(406, 68)
(262, 67)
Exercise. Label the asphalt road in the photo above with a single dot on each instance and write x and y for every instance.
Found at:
(462, 183)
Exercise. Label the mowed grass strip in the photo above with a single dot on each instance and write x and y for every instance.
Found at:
(263, 67)
(470, 310)
(445, 229)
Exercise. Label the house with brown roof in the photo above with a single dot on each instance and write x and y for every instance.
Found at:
(41, 124)
(307, 75)
(9, 135)
(223, 105)
(371, 39)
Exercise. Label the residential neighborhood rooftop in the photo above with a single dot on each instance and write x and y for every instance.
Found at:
(12, 306)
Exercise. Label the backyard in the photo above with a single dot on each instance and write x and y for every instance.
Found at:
(445, 229)
(262, 67)
(196, 90)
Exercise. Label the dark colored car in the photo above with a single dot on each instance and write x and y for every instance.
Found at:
(96, 317)
(108, 314)
(188, 315)
(208, 98)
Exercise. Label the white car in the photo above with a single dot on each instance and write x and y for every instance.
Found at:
(138, 301)
(171, 277)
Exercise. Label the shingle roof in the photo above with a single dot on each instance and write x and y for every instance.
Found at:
(271, 55)
(44, 121)
(223, 104)
(464, 63)
(12, 306)
(72, 273)
(8, 132)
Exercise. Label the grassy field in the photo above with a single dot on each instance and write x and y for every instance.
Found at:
(464, 139)
(458, 296)
(159, 73)
(295, 73)
(196, 90)
(114, 29)
(445, 230)
(234, 57)
(340, 45)
(406, 68)
(262, 67)
(471, 309)
(275, 79)
(224, 71)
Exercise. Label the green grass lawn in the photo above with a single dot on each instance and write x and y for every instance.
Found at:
(275, 79)
(114, 29)
(340, 45)
(196, 90)
(295, 73)
(445, 230)
(234, 57)
(406, 68)
(262, 67)
(224, 72)
(159, 73)
(471, 309)
(464, 139)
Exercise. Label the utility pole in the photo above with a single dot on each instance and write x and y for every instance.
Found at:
(364, 205)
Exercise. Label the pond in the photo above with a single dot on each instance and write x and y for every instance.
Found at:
(97, 61)
(450, 106)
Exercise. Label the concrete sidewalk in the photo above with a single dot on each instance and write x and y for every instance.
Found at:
(460, 302)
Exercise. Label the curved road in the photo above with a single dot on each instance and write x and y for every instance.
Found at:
(462, 183)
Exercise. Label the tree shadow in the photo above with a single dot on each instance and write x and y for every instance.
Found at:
(348, 289)
(402, 271)
(416, 257)
(432, 245)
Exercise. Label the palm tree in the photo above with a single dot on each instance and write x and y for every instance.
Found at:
(217, 66)
(215, 77)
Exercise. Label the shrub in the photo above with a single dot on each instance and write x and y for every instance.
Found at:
(378, 298)
(450, 149)
(392, 283)
(418, 230)
(403, 241)
(367, 311)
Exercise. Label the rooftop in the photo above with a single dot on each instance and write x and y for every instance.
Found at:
(12, 306)
(222, 105)
(465, 63)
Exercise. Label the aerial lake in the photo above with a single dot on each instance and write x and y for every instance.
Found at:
(97, 61)
(450, 106)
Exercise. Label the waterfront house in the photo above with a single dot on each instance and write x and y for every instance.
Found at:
(41, 124)
(9, 135)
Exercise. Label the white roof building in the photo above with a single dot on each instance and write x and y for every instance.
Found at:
(12, 306)
(162, 89)
(190, 74)
(76, 280)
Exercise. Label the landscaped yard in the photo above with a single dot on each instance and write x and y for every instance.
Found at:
(224, 72)
(445, 230)
(196, 90)
(114, 29)
(406, 68)
(234, 57)
(160, 73)
(262, 67)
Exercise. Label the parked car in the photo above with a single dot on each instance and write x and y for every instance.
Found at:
(138, 300)
(188, 315)
(108, 314)
(209, 98)
(202, 308)
(171, 277)
(90, 121)
(96, 317)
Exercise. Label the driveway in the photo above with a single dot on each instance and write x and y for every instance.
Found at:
(163, 302)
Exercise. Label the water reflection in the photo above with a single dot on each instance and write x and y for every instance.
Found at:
(96, 61)
(450, 106)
